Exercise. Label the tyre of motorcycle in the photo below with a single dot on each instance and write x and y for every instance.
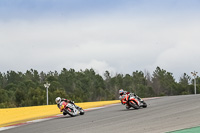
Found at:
(144, 105)
(64, 113)
(74, 110)
(71, 113)
(134, 105)
(81, 111)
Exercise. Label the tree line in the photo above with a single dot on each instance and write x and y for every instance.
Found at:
(19, 89)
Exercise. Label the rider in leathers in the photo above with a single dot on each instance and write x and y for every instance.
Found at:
(123, 93)
(59, 100)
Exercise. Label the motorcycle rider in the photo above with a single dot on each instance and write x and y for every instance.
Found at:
(59, 100)
(122, 94)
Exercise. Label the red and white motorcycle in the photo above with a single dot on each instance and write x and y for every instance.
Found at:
(132, 100)
(71, 109)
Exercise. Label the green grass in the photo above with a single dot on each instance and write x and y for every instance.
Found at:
(188, 130)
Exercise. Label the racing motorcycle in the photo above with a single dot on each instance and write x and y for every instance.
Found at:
(132, 100)
(71, 109)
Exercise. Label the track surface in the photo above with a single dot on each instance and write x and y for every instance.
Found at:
(162, 115)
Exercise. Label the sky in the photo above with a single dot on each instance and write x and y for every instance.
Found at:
(120, 36)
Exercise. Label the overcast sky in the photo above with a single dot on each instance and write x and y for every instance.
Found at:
(120, 36)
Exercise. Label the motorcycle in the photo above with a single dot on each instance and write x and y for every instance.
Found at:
(71, 109)
(132, 100)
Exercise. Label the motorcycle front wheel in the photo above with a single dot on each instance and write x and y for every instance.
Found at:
(82, 111)
(144, 105)
(70, 113)
(134, 105)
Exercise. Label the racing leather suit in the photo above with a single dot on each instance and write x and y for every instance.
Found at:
(124, 100)
(67, 101)
(63, 99)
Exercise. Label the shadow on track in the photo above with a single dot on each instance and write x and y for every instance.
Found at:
(131, 109)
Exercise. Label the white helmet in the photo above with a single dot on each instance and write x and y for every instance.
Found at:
(58, 100)
(121, 91)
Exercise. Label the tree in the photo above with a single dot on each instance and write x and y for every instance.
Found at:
(163, 82)
(13, 77)
(138, 79)
(20, 97)
(27, 89)
(3, 80)
(185, 79)
(184, 87)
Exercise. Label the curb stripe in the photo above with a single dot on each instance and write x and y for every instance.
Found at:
(48, 118)
(60, 115)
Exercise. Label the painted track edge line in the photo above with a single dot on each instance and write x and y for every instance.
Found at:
(48, 118)
(60, 115)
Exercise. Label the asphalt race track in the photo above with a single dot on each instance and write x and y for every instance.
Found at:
(162, 115)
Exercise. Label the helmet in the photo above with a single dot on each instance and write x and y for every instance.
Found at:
(121, 91)
(58, 100)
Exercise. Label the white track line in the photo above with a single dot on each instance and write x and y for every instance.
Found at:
(60, 115)
(45, 119)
